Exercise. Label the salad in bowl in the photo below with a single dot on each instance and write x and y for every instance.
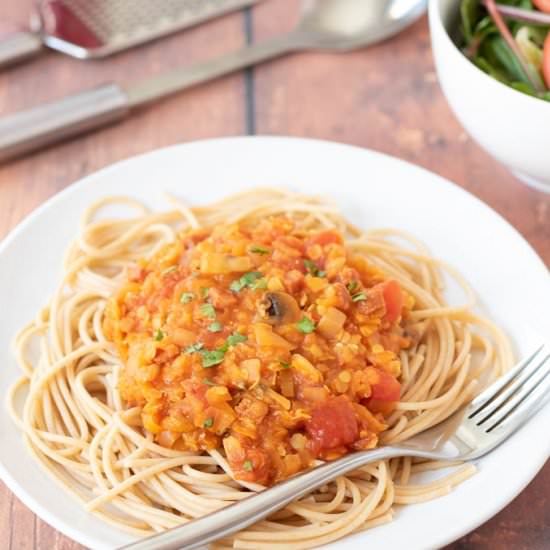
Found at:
(510, 41)
(493, 63)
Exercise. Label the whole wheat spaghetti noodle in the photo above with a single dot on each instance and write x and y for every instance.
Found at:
(86, 435)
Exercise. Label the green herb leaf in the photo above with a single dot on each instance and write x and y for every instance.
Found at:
(352, 285)
(248, 466)
(194, 347)
(305, 325)
(236, 286)
(310, 266)
(260, 250)
(250, 277)
(159, 335)
(312, 269)
(469, 12)
(168, 270)
(246, 280)
(235, 339)
(209, 382)
(186, 297)
(208, 423)
(487, 45)
(211, 358)
(215, 327)
(359, 297)
(285, 365)
(204, 293)
(208, 311)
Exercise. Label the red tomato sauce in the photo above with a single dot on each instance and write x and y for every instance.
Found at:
(276, 345)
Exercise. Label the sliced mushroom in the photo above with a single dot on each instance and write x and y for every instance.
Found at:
(279, 308)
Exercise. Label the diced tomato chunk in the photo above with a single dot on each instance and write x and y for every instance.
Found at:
(546, 54)
(393, 298)
(387, 388)
(248, 463)
(197, 390)
(221, 298)
(326, 237)
(136, 273)
(333, 424)
(542, 5)
(383, 407)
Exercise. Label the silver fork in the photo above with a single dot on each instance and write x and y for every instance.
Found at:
(475, 430)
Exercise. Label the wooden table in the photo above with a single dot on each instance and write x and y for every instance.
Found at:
(386, 98)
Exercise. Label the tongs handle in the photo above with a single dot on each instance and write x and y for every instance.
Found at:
(18, 46)
(27, 131)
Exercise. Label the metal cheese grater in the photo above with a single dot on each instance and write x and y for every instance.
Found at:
(96, 28)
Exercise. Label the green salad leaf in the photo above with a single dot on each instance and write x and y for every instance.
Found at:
(515, 59)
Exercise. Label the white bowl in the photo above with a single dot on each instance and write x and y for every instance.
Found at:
(511, 126)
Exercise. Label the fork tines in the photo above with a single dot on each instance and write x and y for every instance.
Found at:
(516, 396)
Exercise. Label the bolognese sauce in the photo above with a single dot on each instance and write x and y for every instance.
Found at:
(275, 344)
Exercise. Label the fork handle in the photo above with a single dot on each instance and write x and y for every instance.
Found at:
(240, 515)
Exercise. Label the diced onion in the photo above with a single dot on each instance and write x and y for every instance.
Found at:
(252, 368)
(286, 383)
(331, 322)
(214, 262)
(302, 365)
(266, 337)
(298, 441)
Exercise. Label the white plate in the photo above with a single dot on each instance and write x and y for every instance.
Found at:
(374, 191)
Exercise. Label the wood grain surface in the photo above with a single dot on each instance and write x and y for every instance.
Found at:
(386, 98)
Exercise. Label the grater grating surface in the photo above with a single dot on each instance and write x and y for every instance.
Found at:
(119, 24)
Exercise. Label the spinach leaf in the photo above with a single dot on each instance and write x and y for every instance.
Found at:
(469, 14)
(483, 44)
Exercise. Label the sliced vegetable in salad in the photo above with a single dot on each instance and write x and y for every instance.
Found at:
(510, 41)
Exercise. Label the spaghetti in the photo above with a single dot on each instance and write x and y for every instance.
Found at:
(91, 437)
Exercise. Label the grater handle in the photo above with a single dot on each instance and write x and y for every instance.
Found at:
(36, 128)
(18, 46)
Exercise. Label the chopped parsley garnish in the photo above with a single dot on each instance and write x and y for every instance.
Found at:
(284, 364)
(186, 297)
(159, 335)
(248, 466)
(312, 269)
(260, 250)
(209, 382)
(235, 339)
(247, 280)
(352, 285)
(359, 297)
(216, 356)
(208, 423)
(168, 270)
(204, 293)
(305, 325)
(215, 327)
(211, 358)
(194, 348)
(208, 311)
